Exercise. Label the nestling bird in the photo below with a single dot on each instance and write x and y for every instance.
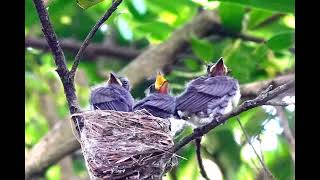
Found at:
(208, 96)
(114, 95)
(158, 101)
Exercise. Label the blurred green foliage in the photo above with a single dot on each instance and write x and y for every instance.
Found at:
(142, 23)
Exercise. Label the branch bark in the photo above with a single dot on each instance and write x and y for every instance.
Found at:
(92, 51)
(59, 57)
(251, 90)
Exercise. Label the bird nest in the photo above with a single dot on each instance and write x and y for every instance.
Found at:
(126, 145)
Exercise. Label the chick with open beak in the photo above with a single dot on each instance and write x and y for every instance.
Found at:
(209, 96)
(114, 95)
(158, 101)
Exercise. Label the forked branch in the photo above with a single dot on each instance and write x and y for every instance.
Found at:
(93, 31)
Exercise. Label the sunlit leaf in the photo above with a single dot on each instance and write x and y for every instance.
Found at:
(274, 5)
(279, 161)
(231, 16)
(191, 64)
(156, 29)
(281, 41)
(53, 173)
(124, 29)
(202, 48)
(137, 7)
(257, 16)
(87, 3)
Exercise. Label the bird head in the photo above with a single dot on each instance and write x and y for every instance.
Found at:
(125, 83)
(218, 69)
(161, 85)
(113, 79)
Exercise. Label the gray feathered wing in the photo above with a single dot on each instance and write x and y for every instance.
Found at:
(207, 94)
(107, 98)
(159, 105)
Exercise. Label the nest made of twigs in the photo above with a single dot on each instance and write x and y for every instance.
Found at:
(126, 145)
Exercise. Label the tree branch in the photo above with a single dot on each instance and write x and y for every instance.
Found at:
(199, 158)
(59, 57)
(95, 28)
(265, 168)
(277, 103)
(258, 101)
(286, 130)
(39, 162)
(57, 143)
(251, 90)
(91, 52)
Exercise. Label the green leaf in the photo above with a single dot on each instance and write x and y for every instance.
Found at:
(157, 29)
(192, 64)
(286, 6)
(137, 7)
(279, 161)
(84, 4)
(231, 16)
(53, 173)
(171, 6)
(124, 29)
(257, 16)
(79, 166)
(281, 41)
(254, 124)
(202, 48)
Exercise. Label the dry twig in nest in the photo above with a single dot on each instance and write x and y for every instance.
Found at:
(126, 145)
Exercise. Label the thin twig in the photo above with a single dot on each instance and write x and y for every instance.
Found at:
(261, 152)
(258, 101)
(59, 57)
(286, 130)
(265, 168)
(199, 158)
(95, 28)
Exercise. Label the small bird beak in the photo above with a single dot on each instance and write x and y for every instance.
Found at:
(160, 80)
(220, 63)
(219, 67)
(114, 80)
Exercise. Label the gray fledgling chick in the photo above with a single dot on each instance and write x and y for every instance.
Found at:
(208, 96)
(158, 101)
(114, 95)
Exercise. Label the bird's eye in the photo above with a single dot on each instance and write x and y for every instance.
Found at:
(208, 68)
